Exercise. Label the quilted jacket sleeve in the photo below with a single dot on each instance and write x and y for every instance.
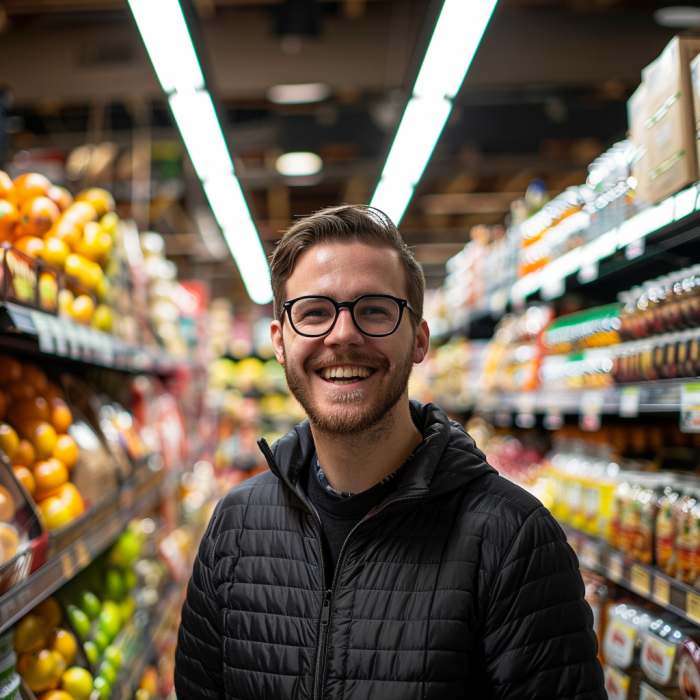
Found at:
(538, 638)
(198, 659)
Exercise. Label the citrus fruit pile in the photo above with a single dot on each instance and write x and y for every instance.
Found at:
(45, 222)
(46, 652)
(36, 441)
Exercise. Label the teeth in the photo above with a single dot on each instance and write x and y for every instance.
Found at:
(345, 373)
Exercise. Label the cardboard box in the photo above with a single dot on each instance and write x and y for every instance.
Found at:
(668, 159)
(695, 79)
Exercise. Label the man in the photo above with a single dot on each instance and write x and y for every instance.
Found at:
(381, 557)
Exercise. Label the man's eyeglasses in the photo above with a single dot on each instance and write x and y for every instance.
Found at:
(375, 315)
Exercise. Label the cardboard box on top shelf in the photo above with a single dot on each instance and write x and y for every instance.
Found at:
(695, 79)
(668, 159)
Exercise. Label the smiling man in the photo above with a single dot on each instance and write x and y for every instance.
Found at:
(381, 557)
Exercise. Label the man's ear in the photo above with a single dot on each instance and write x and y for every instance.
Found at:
(422, 343)
(277, 340)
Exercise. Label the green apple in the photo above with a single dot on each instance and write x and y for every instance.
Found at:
(101, 640)
(92, 653)
(114, 656)
(90, 604)
(79, 620)
(103, 687)
(108, 672)
(109, 624)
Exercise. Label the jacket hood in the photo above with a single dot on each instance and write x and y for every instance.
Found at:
(446, 459)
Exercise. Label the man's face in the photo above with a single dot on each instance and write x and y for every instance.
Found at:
(380, 367)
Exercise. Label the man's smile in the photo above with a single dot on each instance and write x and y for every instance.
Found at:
(345, 374)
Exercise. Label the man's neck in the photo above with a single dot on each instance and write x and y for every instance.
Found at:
(355, 463)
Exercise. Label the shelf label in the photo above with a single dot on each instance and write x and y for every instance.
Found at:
(629, 402)
(590, 408)
(692, 607)
(662, 591)
(615, 567)
(66, 566)
(553, 419)
(640, 580)
(690, 408)
(81, 554)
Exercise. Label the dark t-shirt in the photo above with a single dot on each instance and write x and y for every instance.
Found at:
(339, 513)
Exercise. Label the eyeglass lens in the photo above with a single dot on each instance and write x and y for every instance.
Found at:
(373, 315)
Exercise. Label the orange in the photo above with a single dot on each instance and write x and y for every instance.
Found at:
(80, 213)
(66, 450)
(31, 185)
(56, 695)
(67, 231)
(9, 218)
(55, 252)
(25, 455)
(26, 477)
(10, 368)
(50, 610)
(38, 215)
(49, 475)
(28, 409)
(42, 435)
(60, 196)
(54, 391)
(31, 633)
(82, 309)
(7, 506)
(9, 440)
(70, 495)
(30, 245)
(21, 389)
(7, 188)
(3, 405)
(55, 512)
(100, 199)
(64, 643)
(35, 376)
(61, 417)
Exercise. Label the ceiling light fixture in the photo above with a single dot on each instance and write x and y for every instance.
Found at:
(678, 15)
(298, 164)
(301, 94)
(456, 38)
(164, 32)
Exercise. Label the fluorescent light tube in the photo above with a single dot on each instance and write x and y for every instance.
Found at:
(456, 38)
(169, 45)
(197, 121)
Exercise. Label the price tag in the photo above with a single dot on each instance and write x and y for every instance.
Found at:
(66, 565)
(525, 420)
(692, 607)
(629, 402)
(590, 408)
(81, 554)
(553, 419)
(662, 591)
(640, 580)
(615, 567)
(690, 408)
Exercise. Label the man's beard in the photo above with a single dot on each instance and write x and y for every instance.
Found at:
(355, 413)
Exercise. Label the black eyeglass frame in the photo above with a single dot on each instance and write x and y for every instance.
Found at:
(403, 304)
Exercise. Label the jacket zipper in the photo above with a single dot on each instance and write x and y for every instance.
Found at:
(327, 601)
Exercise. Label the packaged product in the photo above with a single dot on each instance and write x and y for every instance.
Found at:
(637, 519)
(686, 513)
(626, 623)
(618, 685)
(647, 692)
(662, 643)
(689, 671)
(666, 531)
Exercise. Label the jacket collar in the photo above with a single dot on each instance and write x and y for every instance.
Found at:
(446, 458)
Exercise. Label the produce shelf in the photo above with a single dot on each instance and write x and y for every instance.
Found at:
(134, 500)
(22, 328)
(626, 400)
(646, 581)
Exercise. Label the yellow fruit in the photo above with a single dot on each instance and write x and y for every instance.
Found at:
(64, 643)
(92, 275)
(10, 368)
(66, 450)
(24, 475)
(74, 265)
(7, 506)
(65, 302)
(55, 512)
(109, 222)
(49, 475)
(55, 252)
(67, 231)
(102, 319)
(9, 440)
(60, 196)
(80, 212)
(9, 542)
(38, 669)
(82, 309)
(50, 610)
(95, 243)
(25, 455)
(100, 199)
(61, 417)
(69, 494)
(30, 635)
(41, 434)
(56, 695)
(78, 683)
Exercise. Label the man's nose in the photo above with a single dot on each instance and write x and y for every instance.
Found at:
(344, 331)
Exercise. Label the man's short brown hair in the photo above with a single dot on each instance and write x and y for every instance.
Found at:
(347, 223)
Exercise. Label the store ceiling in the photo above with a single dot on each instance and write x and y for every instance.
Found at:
(545, 95)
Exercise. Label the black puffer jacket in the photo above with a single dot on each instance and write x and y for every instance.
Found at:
(459, 586)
